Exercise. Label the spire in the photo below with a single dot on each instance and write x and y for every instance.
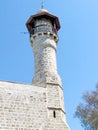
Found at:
(42, 4)
(42, 9)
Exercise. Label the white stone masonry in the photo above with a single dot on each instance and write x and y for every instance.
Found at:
(44, 48)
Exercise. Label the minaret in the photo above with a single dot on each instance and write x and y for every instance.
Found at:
(43, 28)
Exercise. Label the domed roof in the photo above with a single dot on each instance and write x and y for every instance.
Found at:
(42, 10)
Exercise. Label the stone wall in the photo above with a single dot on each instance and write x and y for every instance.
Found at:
(28, 107)
(22, 107)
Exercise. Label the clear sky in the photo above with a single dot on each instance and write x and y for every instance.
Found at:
(77, 52)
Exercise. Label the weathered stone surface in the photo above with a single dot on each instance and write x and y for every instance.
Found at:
(44, 48)
(28, 107)
(22, 107)
(55, 124)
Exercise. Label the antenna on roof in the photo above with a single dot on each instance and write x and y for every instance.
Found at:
(42, 4)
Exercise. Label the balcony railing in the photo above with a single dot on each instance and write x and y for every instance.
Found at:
(43, 28)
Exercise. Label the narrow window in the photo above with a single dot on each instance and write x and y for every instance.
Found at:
(54, 114)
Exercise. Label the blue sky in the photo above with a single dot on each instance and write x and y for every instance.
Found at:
(77, 51)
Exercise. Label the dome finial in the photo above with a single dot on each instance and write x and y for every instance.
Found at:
(42, 9)
(42, 4)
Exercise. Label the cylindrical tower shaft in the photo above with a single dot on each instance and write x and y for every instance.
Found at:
(44, 48)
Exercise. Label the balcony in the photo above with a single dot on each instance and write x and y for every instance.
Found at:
(43, 28)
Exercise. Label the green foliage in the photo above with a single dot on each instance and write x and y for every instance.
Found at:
(87, 112)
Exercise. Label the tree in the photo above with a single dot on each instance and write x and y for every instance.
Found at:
(87, 112)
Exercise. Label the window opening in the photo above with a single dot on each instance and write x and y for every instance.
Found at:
(54, 114)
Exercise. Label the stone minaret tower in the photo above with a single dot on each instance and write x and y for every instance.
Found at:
(43, 28)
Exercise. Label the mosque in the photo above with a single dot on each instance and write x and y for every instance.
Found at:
(40, 105)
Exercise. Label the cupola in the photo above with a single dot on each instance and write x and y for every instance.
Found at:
(43, 21)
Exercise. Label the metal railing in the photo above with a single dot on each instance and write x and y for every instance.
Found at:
(43, 28)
